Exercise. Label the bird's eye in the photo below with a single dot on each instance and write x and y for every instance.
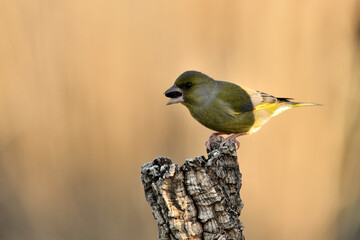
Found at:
(188, 85)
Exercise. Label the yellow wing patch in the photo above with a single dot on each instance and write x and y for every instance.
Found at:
(270, 107)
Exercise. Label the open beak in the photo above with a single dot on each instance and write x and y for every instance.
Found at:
(175, 94)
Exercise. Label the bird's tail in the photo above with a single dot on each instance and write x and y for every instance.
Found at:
(303, 104)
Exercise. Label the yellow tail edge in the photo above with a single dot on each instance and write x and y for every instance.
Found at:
(303, 104)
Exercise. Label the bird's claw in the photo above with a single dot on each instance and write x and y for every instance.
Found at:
(207, 143)
(212, 136)
(231, 139)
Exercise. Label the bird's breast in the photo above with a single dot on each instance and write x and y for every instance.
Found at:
(217, 119)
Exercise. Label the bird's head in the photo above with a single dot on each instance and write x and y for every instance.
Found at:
(191, 87)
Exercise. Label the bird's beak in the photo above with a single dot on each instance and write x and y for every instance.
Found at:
(175, 94)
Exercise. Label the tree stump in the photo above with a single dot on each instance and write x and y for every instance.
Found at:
(198, 200)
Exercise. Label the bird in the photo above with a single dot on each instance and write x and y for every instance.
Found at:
(225, 107)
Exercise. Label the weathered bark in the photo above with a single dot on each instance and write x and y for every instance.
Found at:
(200, 199)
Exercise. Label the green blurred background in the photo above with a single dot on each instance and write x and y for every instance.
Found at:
(82, 108)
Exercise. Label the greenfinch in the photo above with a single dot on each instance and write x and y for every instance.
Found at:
(226, 107)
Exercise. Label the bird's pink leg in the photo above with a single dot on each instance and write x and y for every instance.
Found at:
(212, 136)
(232, 138)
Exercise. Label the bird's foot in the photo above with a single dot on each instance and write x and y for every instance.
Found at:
(232, 138)
(212, 136)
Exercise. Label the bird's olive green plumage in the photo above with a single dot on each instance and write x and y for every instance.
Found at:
(216, 104)
(226, 107)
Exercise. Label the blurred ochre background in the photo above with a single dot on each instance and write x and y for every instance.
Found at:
(82, 108)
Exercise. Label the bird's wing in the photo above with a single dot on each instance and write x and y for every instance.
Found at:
(261, 100)
(266, 106)
(234, 100)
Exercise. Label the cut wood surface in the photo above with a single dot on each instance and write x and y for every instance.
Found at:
(198, 200)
